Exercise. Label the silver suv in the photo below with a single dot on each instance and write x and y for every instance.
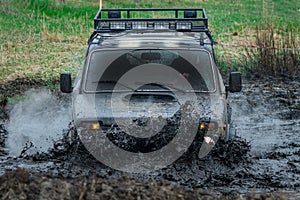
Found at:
(143, 76)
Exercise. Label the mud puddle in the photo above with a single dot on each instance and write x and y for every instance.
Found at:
(266, 117)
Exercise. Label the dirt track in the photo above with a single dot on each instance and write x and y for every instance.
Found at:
(266, 116)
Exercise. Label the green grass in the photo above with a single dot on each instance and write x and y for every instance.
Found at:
(42, 38)
(15, 99)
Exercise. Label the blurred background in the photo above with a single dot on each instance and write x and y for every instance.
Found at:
(41, 38)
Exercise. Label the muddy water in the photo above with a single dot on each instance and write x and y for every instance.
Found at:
(266, 117)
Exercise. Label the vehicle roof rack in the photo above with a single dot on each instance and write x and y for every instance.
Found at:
(123, 19)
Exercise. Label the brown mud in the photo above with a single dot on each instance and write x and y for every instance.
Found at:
(262, 162)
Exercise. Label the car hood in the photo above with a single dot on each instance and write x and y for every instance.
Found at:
(108, 108)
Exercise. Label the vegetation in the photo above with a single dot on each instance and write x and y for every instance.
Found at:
(42, 38)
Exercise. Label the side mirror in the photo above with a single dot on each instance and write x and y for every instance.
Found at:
(66, 83)
(235, 82)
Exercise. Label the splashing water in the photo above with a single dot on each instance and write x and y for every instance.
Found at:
(37, 121)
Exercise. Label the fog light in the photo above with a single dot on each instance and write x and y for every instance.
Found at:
(114, 14)
(90, 125)
(190, 14)
(161, 25)
(117, 25)
(139, 25)
(183, 26)
(208, 126)
(202, 126)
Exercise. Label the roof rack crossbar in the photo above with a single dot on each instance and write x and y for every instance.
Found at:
(123, 20)
(126, 17)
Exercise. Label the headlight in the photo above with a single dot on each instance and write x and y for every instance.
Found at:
(210, 126)
(90, 125)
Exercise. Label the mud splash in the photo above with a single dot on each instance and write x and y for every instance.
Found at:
(265, 156)
(3, 137)
(36, 121)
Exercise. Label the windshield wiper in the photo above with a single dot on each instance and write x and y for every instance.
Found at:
(114, 82)
(175, 88)
(163, 86)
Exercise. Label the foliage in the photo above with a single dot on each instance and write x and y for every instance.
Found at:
(42, 38)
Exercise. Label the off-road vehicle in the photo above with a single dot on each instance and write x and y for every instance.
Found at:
(141, 69)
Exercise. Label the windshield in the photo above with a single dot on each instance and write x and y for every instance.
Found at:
(149, 69)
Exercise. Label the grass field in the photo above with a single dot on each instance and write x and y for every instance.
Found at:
(42, 38)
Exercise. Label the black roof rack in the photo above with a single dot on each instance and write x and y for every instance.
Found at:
(178, 19)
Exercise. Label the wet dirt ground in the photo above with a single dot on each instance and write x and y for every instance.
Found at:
(263, 161)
